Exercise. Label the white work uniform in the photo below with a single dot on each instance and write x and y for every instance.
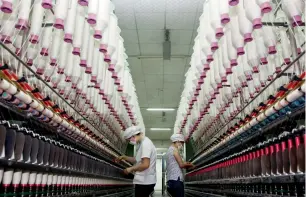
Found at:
(146, 149)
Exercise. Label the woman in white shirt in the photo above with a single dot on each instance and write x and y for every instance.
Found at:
(145, 162)
(175, 164)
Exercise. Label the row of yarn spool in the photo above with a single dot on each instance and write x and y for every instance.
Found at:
(56, 168)
(76, 47)
(236, 54)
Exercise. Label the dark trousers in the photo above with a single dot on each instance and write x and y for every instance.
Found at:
(175, 188)
(143, 190)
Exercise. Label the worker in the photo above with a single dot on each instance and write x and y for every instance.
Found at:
(175, 164)
(144, 162)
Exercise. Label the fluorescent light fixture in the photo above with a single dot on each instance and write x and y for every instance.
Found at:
(160, 129)
(160, 109)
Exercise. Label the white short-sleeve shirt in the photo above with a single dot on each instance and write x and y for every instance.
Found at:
(146, 149)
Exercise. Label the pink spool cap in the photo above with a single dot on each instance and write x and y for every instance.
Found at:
(255, 69)
(203, 75)
(272, 50)
(209, 58)
(68, 79)
(101, 92)
(97, 86)
(198, 88)
(92, 19)
(73, 86)
(200, 82)
(40, 71)
(47, 4)
(34, 39)
(59, 24)
(107, 58)
(6, 39)
(194, 99)
(287, 61)
(30, 62)
(117, 81)
(257, 23)
(76, 51)
(93, 79)
(263, 84)
(206, 67)
(6, 7)
(234, 62)
(240, 51)
(111, 67)
(103, 48)
(68, 38)
(228, 70)
(214, 46)
(60, 70)
(299, 50)
(22, 24)
(55, 86)
(225, 19)
(248, 37)
(297, 21)
(223, 79)
(88, 70)
(61, 91)
(264, 60)
(233, 2)
(219, 32)
(47, 78)
(83, 63)
(53, 62)
(265, 7)
(97, 34)
(114, 75)
(44, 52)
(17, 51)
(120, 88)
(83, 2)
(249, 77)
(270, 77)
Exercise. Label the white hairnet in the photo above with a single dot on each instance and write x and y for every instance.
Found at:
(177, 138)
(129, 132)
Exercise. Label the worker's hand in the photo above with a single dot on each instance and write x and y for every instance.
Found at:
(128, 170)
(119, 159)
(190, 165)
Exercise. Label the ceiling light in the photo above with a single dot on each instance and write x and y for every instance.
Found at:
(160, 109)
(160, 129)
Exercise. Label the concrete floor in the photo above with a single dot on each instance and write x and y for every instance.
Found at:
(159, 194)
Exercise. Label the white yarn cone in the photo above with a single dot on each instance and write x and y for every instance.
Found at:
(60, 12)
(245, 26)
(70, 21)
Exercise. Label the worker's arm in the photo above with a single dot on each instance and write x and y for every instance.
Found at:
(143, 165)
(180, 161)
(126, 158)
